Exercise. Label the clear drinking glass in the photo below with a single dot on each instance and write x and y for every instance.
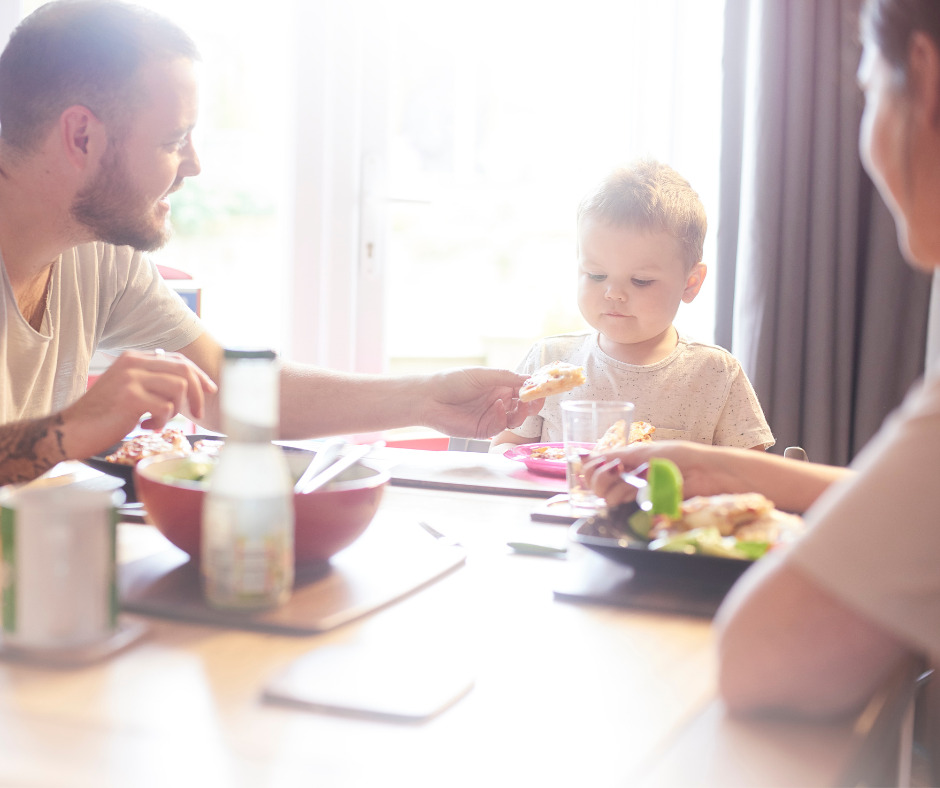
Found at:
(584, 422)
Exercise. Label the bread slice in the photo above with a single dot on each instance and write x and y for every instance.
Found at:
(554, 378)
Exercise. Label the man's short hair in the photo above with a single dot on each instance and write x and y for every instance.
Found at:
(651, 196)
(80, 52)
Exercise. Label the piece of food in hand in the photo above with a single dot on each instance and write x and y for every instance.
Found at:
(640, 432)
(554, 378)
(148, 443)
(664, 484)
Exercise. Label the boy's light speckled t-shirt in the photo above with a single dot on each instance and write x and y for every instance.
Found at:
(698, 393)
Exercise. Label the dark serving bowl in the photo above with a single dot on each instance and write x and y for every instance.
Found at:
(611, 536)
(326, 520)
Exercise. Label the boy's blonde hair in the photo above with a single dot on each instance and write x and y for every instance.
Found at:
(651, 196)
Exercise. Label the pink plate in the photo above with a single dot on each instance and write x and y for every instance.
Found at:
(523, 454)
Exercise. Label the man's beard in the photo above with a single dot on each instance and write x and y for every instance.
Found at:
(115, 210)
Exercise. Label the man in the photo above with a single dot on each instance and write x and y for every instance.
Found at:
(98, 101)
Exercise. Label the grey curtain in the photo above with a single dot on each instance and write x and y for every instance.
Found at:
(813, 296)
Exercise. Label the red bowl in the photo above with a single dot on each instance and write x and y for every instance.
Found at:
(325, 521)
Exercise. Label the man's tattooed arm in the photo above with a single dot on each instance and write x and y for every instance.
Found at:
(30, 448)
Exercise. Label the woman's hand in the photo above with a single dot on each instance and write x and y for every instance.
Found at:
(792, 485)
(704, 469)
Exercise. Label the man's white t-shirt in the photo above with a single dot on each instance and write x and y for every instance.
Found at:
(699, 392)
(100, 297)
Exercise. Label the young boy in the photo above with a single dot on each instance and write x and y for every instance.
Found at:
(640, 238)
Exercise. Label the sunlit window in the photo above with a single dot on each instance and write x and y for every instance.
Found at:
(500, 115)
(501, 118)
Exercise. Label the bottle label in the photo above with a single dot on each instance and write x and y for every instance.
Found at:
(247, 554)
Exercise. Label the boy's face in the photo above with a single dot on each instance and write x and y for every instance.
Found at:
(631, 282)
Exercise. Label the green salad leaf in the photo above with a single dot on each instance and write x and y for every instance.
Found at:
(709, 541)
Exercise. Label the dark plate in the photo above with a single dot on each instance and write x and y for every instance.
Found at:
(610, 536)
(126, 472)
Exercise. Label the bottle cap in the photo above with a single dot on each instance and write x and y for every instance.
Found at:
(236, 353)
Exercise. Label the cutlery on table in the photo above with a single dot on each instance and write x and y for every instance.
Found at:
(327, 454)
(642, 486)
(530, 548)
(325, 476)
(441, 538)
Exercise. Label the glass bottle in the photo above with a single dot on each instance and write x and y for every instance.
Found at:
(248, 512)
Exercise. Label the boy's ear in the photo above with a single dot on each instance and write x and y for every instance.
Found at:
(83, 136)
(694, 282)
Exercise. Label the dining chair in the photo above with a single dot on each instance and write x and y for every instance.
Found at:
(795, 453)
(886, 752)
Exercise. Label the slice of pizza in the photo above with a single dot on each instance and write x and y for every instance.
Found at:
(149, 443)
(554, 378)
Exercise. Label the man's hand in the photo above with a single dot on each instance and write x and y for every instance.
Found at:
(158, 383)
(476, 402)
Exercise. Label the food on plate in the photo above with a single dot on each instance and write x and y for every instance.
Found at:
(617, 434)
(547, 452)
(554, 378)
(641, 432)
(144, 445)
(196, 468)
(740, 525)
(208, 446)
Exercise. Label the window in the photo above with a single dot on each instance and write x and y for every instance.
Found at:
(391, 184)
(500, 119)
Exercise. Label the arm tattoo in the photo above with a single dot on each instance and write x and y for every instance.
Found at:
(30, 448)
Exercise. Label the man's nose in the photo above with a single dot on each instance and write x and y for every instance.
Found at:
(191, 165)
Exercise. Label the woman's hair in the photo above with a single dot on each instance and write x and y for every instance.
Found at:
(85, 52)
(653, 197)
(888, 24)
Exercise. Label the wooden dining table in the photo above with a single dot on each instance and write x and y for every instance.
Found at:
(524, 687)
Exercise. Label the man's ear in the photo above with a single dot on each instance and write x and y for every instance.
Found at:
(923, 75)
(83, 136)
(693, 282)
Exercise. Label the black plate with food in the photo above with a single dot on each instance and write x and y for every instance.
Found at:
(611, 535)
(124, 471)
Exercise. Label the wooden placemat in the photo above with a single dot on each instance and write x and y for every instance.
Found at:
(380, 568)
(468, 471)
(589, 577)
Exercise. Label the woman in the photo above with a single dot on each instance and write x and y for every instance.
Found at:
(815, 629)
